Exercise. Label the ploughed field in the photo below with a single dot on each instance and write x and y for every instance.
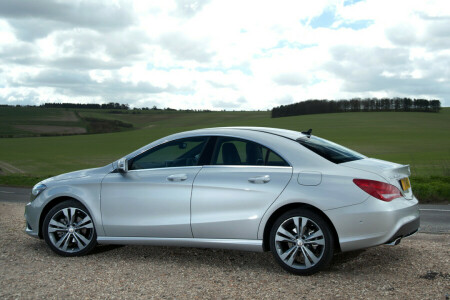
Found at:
(417, 138)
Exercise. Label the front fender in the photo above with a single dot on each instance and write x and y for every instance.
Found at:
(86, 190)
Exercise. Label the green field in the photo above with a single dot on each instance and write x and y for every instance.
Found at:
(419, 139)
(14, 119)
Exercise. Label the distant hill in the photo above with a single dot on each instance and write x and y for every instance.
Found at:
(417, 138)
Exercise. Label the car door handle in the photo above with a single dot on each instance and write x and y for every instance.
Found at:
(177, 177)
(259, 179)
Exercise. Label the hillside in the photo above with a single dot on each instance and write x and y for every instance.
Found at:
(419, 139)
(39, 121)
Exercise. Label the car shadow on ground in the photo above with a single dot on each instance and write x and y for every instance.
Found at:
(104, 248)
(345, 257)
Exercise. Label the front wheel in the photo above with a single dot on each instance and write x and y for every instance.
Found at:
(301, 242)
(69, 230)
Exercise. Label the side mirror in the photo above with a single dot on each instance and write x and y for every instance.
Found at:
(122, 165)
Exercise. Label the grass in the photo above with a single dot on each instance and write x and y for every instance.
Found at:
(419, 139)
(21, 180)
(432, 189)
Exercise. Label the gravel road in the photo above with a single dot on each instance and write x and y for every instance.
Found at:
(418, 268)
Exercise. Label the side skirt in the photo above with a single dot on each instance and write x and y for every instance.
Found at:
(233, 244)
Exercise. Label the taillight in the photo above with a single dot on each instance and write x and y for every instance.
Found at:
(378, 189)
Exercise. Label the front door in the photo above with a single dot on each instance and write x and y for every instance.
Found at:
(153, 198)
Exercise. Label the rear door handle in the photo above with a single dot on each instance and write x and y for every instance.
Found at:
(259, 179)
(177, 177)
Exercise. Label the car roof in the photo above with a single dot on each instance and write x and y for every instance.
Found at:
(290, 134)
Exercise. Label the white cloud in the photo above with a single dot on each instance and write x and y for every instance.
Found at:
(222, 54)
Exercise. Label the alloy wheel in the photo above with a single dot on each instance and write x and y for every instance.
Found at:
(70, 230)
(300, 242)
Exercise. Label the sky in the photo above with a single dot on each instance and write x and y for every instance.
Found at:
(233, 55)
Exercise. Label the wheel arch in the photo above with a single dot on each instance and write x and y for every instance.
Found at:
(281, 210)
(52, 203)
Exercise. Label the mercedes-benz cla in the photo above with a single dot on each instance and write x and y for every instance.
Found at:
(246, 188)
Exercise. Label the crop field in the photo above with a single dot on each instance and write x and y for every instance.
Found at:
(419, 139)
(25, 121)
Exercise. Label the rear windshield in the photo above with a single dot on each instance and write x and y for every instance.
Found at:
(329, 150)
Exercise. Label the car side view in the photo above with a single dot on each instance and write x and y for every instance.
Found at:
(246, 188)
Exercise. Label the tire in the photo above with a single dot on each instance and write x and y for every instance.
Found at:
(68, 229)
(308, 253)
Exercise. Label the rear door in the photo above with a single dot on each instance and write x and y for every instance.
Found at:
(230, 196)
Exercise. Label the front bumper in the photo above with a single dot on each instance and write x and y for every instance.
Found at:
(32, 214)
(374, 222)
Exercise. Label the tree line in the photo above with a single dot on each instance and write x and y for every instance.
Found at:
(110, 105)
(113, 107)
(355, 105)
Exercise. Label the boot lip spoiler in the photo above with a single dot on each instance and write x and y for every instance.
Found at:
(402, 171)
(388, 172)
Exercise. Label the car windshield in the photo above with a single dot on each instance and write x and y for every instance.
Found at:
(329, 150)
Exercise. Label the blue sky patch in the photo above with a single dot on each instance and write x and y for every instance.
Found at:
(351, 2)
(285, 44)
(326, 19)
(357, 25)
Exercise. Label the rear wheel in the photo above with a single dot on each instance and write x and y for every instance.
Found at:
(301, 242)
(69, 230)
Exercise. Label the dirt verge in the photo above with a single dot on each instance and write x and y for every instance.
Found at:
(418, 268)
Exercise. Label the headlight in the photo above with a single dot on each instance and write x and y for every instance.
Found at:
(37, 189)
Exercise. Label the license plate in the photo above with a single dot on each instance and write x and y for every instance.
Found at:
(405, 183)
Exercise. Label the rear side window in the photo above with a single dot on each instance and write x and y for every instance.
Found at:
(333, 152)
(233, 151)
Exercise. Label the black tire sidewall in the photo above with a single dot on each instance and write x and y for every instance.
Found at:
(51, 213)
(328, 236)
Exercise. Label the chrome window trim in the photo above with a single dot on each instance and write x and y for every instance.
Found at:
(246, 166)
(168, 168)
(208, 135)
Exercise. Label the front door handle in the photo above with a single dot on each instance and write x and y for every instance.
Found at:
(259, 179)
(177, 177)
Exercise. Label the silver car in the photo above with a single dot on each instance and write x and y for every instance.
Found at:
(244, 188)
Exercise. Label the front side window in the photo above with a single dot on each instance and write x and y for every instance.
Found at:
(232, 151)
(178, 153)
(329, 150)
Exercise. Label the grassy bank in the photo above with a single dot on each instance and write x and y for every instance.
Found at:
(432, 189)
(421, 140)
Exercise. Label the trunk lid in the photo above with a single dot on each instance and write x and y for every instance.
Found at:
(393, 173)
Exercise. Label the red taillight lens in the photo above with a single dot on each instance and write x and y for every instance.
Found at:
(378, 189)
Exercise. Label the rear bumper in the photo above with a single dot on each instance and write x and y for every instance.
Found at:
(406, 230)
(374, 222)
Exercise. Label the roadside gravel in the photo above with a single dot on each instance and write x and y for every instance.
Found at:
(416, 269)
